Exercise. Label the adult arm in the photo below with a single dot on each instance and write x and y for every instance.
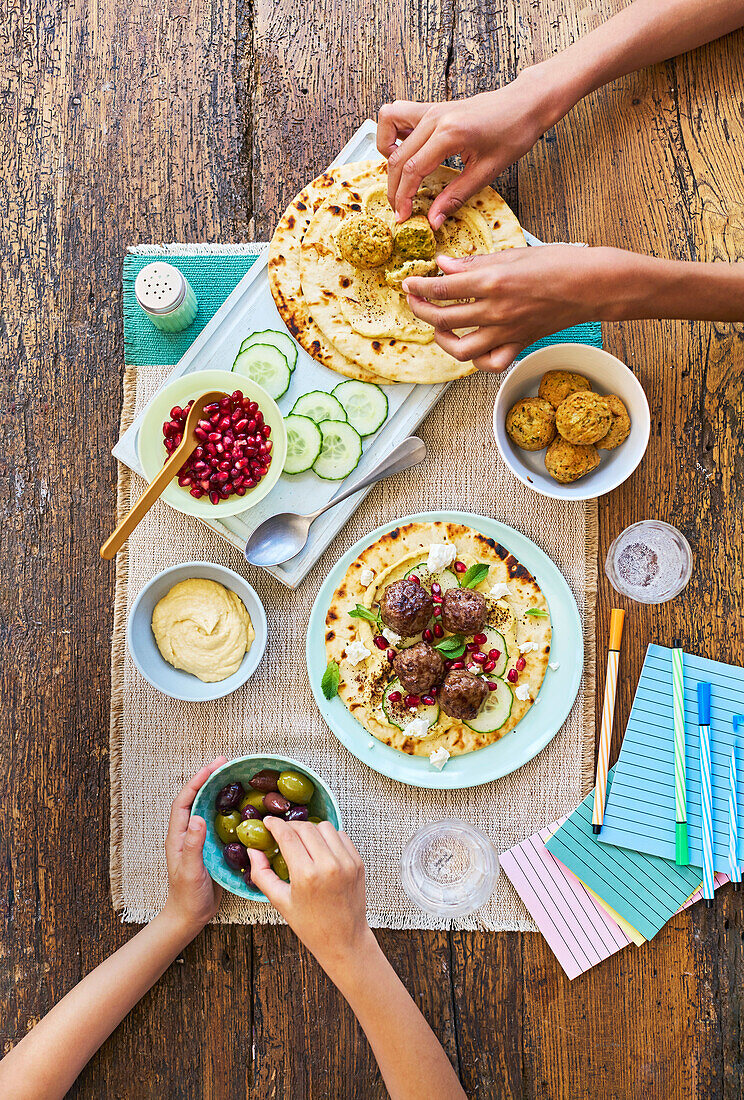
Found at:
(49, 1058)
(324, 903)
(492, 130)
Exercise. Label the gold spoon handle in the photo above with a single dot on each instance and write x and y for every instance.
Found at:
(140, 509)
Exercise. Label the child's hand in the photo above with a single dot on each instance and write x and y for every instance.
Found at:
(193, 898)
(324, 901)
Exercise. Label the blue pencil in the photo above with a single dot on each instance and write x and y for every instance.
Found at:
(706, 797)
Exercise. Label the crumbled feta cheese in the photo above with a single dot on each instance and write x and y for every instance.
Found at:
(371, 743)
(366, 577)
(528, 647)
(475, 669)
(441, 554)
(356, 652)
(554, 665)
(418, 727)
(522, 692)
(499, 590)
(439, 758)
(390, 636)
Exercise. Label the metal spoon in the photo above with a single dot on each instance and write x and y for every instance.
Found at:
(281, 537)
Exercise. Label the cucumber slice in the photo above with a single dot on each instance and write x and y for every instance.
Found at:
(303, 443)
(496, 641)
(340, 451)
(495, 710)
(280, 340)
(446, 579)
(365, 404)
(264, 364)
(399, 715)
(319, 406)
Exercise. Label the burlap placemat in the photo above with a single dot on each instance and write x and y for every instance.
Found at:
(157, 742)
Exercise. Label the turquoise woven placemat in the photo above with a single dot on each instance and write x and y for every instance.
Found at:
(214, 271)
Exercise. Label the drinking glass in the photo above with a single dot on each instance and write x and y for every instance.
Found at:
(449, 868)
(650, 562)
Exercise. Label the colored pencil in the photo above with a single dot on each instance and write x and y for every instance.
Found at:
(734, 869)
(617, 619)
(682, 853)
(706, 796)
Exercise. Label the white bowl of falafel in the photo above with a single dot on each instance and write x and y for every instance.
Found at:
(571, 421)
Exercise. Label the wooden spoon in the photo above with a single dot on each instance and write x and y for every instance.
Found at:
(188, 444)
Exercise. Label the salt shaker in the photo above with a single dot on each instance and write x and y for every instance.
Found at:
(166, 297)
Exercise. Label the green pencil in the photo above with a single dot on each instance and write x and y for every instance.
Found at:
(682, 853)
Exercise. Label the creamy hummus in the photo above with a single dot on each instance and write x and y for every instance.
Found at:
(203, 628)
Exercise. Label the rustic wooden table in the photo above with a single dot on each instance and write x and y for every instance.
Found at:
(192, 121)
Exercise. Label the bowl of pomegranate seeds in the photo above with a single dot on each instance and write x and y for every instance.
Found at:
(241, 450)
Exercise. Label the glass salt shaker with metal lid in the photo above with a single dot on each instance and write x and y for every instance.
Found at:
(166, 297)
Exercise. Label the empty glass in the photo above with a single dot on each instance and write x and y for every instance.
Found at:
(449, 868)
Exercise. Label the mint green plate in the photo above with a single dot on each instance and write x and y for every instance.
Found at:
(538, 727)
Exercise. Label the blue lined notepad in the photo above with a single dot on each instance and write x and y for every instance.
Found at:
(640, 809)
(645, 890)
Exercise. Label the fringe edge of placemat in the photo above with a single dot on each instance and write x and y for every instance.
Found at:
(590, 648)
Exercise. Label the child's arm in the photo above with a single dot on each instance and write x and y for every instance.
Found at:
(324, 903)
(47, 1060)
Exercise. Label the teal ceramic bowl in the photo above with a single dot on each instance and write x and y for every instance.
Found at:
(323, 804)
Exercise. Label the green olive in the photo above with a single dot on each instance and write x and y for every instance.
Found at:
(296, 787)
(280, 867)
(225, 825)
(315, 820)
(254, 799)
(254, 834)
(272, 852)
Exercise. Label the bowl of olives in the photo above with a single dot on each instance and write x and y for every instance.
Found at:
(235, 800)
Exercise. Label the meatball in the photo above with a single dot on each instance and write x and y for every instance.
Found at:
(415, 240)
(420, 269)
(557, 385)
(566, 462)
(583, 418)
(463, 610)
(531, 423)
(364, 241)
(406, 607)
(462, 695)
(620, 426)
(419, 668)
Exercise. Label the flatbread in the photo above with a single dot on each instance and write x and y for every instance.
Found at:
(284, 275)
(389, 558)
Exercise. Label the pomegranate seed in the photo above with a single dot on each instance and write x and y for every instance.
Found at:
(196, 492)
(414, 578)
(210, 449)
(224, 423)
(241, 424)
(211, 408)
(460, 567)
(481, 639)
(259, 418)
(494, 654)
(471, 647)
(395, 696)
(252, 408)
(437, 599)
(436, 589)
(251, 427)
(214, 496)
(438, 630)
(241, 463)
(176, 412)
(266, 431)
(167, 429)
(519, 663)
(512, 676)
(214, 437)
(427, 635)
(380, 642)
(268, 446)
(205, 424)
(240, 490)
(391, 655)
(448, 663)
(458, 664)
(225, 493)
(219, 448)
(489, 666)
(412, 700)
(215, 419)
(249, 483)
(437, 612)
(492, 685)
(427, 700)
(184, 480)
(479, 658)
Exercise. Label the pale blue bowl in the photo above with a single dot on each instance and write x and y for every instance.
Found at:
(144, 649)
(323, 804)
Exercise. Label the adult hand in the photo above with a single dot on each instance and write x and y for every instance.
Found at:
(193, 897)
(515, 297)
(324, 901)
(489, 132)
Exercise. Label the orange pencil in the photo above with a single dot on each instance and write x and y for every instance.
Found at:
(617, 619)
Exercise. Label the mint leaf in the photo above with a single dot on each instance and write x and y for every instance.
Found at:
(537, 612)
(362, 612)
(452, 647)
(331, 678)
(474, 575)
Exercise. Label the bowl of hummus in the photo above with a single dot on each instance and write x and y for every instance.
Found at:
(197, 631)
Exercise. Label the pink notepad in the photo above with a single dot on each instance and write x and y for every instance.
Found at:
(578, 931)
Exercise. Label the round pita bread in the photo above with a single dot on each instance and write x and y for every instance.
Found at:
(389, 557)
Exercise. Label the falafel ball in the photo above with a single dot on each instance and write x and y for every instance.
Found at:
(620, 426)
(462, 694)
(567, 462)
(420, 269)
(557, 385)
(415, 240)
(531, 423)
(406, 607)
(583, 418)
(463, 610)
(419, 668)
(364, 241)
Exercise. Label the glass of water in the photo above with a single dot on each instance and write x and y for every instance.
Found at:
(449, 868)
(650, 562)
